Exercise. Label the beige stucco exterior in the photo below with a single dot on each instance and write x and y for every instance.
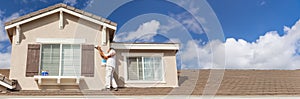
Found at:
(77, 28)
(47, 27)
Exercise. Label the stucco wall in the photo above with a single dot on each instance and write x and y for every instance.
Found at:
(48, 27)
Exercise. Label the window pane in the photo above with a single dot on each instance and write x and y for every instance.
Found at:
(144, 68)
(148, 69)
(132, 68)
(71, 60)
(157, 61)
(46, 49)
(50, 59)
(140, 68)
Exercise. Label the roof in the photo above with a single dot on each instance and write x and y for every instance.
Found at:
(56, 9)
(151, 46)
(60, 5)
(4, 72)
(193, 82)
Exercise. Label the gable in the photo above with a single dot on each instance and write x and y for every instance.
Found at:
(61, 10)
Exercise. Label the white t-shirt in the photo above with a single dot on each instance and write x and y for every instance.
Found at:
(111, 61)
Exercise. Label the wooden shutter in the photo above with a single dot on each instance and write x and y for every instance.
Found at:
(87, 61)
(33, 60)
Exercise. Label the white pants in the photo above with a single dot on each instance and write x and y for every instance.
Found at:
(109, 77)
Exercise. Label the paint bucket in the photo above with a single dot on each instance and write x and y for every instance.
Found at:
(103, 62)
(44, 73)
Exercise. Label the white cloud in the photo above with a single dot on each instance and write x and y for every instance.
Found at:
(191, 17)
(71, 2)
(13, 16)
(1, 46)
(173, 40)
(145, 32)
(171, 24)
(5, 60)
(5, 56)
(88, 4)
(261, 3)
(270, 51)
(189, 21)
(195, 56)
(194, 9)
(3, 35)
(1, 13)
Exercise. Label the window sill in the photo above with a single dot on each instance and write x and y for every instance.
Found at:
(42, 80)
(146, 82)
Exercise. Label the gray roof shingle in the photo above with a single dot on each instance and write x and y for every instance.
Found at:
(193, 82)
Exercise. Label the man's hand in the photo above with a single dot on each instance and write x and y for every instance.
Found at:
(101, 53)
(99, 48)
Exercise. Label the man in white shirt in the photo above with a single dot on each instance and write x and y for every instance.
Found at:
(110, 58)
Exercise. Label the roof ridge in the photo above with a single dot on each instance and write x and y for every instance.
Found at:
(59, 5)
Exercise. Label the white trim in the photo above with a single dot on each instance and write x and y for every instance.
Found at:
(18, 34)
(80, 47)
(163, 69)
(145, 46)
(32, 18)
(89, 19)
(60, 60)
(57, 10)
(61, 20)
(125, 68)
(58, 78)
(142, 54)
(103, 43)
(37, 76)
(137, 68)
(144, 82)
(7, 85)
(60, 40)
(40, 62)
(126, 55)
(143, 68)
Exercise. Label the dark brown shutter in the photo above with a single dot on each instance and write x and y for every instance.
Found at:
(87, 61)
(33, 60)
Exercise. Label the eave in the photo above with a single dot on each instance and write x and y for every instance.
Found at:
(146, 46)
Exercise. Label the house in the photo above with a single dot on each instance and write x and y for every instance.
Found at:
(60, 39)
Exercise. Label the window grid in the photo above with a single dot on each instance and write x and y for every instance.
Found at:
(147, 68)
(60, 60)
(49, 57)
(70, 60)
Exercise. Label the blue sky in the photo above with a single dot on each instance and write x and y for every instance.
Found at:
(239, 34)
(249, 19)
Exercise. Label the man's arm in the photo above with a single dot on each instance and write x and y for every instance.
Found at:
(111, 53)
(101, 53)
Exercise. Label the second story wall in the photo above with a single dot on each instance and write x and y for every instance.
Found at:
(48, 28)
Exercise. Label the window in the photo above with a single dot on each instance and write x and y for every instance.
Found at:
(50, 59)
(61, 59)
(144, 68)
(70, 60)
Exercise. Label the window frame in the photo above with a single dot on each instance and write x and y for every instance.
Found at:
(60, 56)
(127, 55)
